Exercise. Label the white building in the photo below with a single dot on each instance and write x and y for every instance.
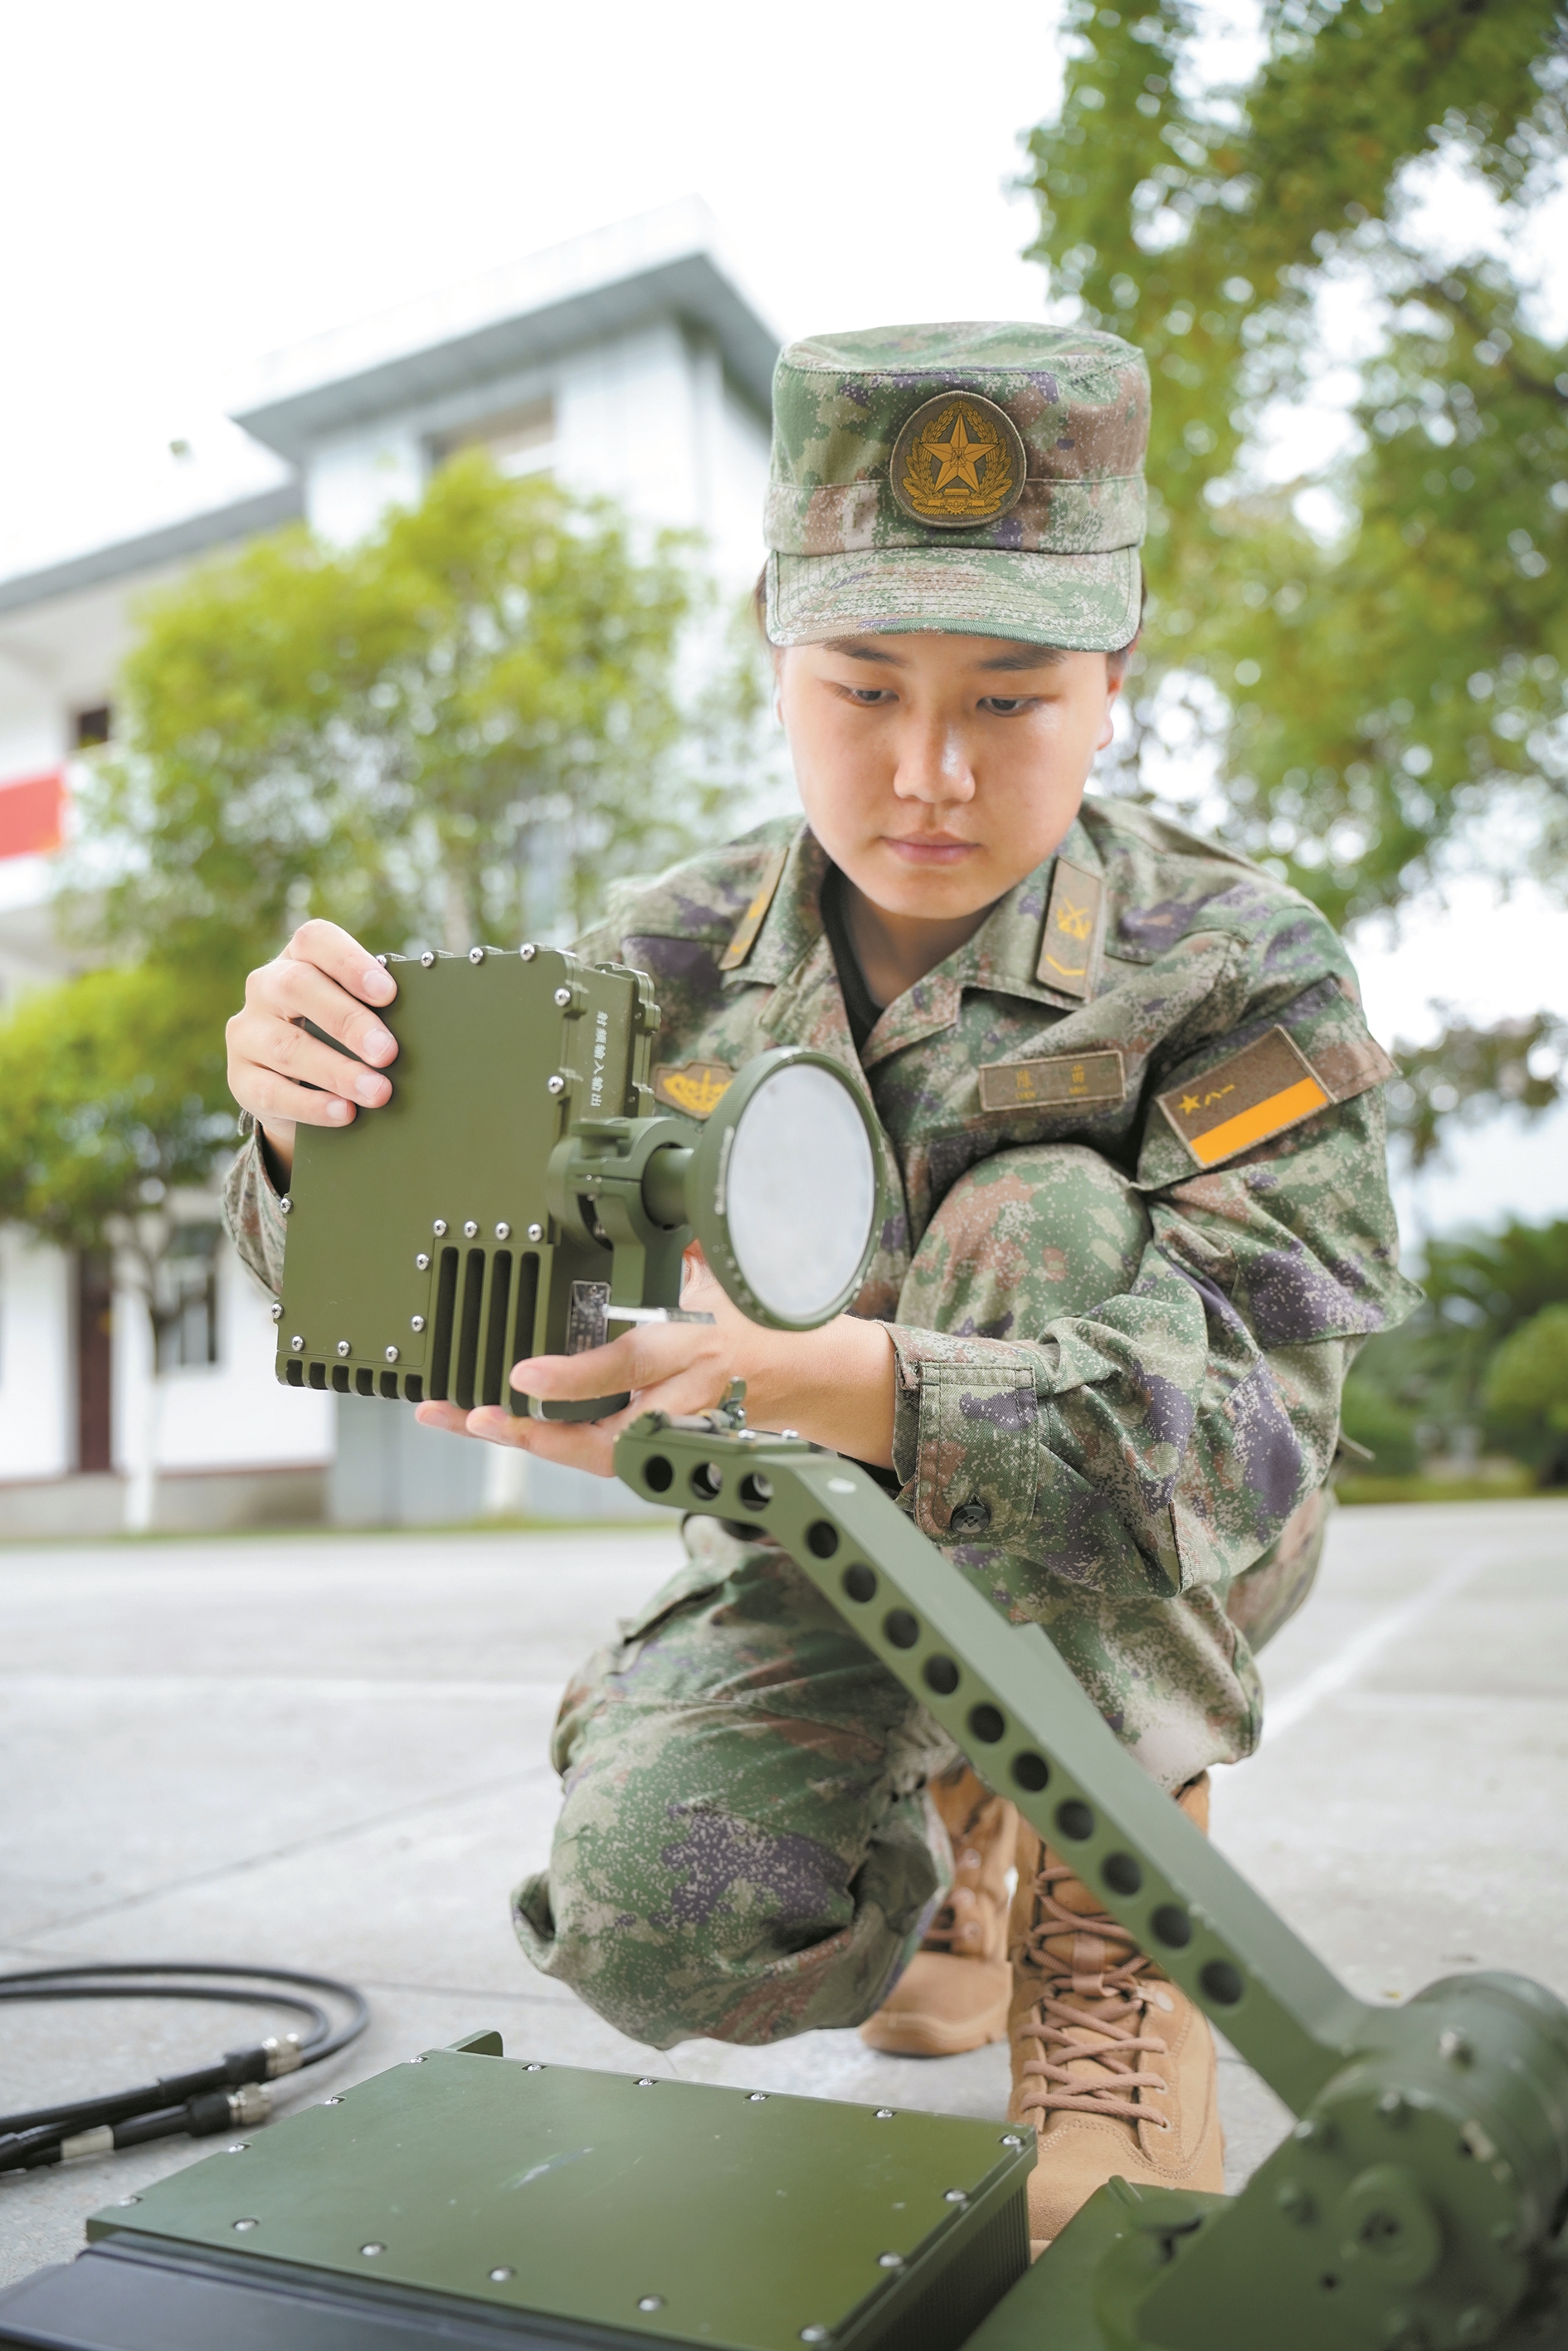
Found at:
(630, 363)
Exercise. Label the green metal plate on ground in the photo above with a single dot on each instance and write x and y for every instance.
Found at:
(672, 2209)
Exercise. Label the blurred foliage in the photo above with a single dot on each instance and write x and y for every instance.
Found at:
(114, 1094)
(1387, 1430)
(1527, 1389)
(454, 731)
(1468, 1074)
(1372, 693)
(1437, 1377)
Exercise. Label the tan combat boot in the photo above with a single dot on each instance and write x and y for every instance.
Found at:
(954, 1993)
(1111, 2063)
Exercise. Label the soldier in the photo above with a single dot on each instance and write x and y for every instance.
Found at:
(1133, 1133)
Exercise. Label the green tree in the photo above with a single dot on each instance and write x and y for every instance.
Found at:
(1385, 696)
(1527, 1389)
(454, 731)
(115, 1101)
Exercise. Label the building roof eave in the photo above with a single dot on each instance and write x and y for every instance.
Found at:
(192, 535)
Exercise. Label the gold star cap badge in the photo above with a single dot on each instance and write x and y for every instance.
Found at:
(958, 460)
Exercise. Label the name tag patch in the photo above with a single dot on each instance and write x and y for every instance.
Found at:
(694, 1088)
(1065, 1078)
(1259, 1093)
(1071, 920)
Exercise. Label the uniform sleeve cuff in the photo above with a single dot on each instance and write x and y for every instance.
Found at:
(254, 1214)
(965, 1434)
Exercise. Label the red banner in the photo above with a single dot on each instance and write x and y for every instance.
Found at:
(33, 814)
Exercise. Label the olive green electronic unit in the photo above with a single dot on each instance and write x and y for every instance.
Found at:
(469, 2199)
(522, 1194)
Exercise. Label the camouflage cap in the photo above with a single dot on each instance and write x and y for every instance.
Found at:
(987, 480)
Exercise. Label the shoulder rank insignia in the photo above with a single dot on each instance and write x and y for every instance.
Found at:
(696, 1088)
(1063, 1078)
(751, 921)
(1257, 1093)
(1072, 921)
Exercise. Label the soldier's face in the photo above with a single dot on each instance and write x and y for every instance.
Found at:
(937, 771)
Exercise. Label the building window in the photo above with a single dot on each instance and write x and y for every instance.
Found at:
(518, 439)
(187, 1299)
(93, 727)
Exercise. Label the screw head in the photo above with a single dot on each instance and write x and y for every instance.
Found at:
(527, 953)
(884, 2114)
(371, 2250)
(500, 2274)
(298, 1343)
(427, 959)
(423, 1259)
(504, 1231)
(332, 2102)
(471, 1230)
(536, 1232)
(439, 1228)
(343, 1347)
(534, 2068)
(242, 2225)
(238, 2146)
(127, 2199)
(391, 1354)
(563, 997)
(555, 1085)
(1011, 2139)
(476, 954)
(416, 1322)
(955, 2196)
(644, 2082)
(889, 2261)
(756, 2099)
(814, 2335)
(650, 2301)
(277, 1310)
(285, 1206)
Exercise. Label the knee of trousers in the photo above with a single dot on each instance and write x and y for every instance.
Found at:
(681, 1901)
(1028, 1233)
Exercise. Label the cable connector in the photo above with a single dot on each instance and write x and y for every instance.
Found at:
(251, 2106)
(284, 2055)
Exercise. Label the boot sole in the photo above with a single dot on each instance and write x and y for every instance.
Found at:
(928, 2036)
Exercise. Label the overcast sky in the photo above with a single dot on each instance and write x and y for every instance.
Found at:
(185, 185)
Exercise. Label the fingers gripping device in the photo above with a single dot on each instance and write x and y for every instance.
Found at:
(1417, 2204)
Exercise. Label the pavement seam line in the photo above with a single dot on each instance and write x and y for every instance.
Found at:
(1336, 1672)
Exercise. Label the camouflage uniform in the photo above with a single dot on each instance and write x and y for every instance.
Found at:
(1120, 1334)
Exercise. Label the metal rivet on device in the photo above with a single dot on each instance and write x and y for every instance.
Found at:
(439, 1226)
(391, 1354)
(650, 2301)
(471, 1230)
(285, 1206)
(814, 2335)
(343, 1347)
(382, 961)
(476, 954)
(238, 2146)
(1011, 2139)
(499, 2276)
(423, 1259)
(644, 2082)
(277, 1310)
(563, 997)
(955, 2196)
(536, 1232)
(504, 1231)
(332, 2102)
(246, 2224)
(298, 1343)
(527, 953)
(757, 2098)
(416, 1322)
(129, 2199)
(371, 2250)
(534, 2068)
(555, 1085)
(427, 958)
(889, 2261)
(884, 2114)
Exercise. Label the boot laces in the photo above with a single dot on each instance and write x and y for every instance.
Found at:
(1091, 2006)
(958, 1923)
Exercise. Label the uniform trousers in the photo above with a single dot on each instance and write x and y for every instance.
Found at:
(746, 1848)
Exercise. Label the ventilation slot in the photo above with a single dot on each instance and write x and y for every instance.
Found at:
(318, 1375)
(364, 1381)
(294, 1371)
(496, 1364)
(523, 1322)
(389, 1384)
(468, 1332)
(445, 1308)
(340, 1379)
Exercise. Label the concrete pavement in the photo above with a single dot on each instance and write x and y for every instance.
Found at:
(329, 1753)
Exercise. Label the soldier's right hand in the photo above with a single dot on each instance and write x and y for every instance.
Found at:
(278, 1070)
